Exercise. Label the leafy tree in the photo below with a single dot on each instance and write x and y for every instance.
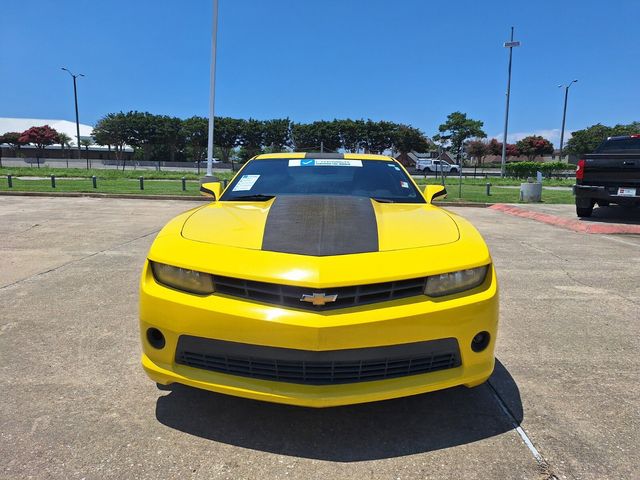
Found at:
(13, 139)
(113, 130)
(170, 134)
(40, 137)
(588, 139)
(351, 134)
(477, 149)
(406, 139)
(534, 146)
(65, 142)
(327, 135)
(196, 133)
(86, 142)
(457, 129)
(378, 136)
(277, 134)
(227, 135)
(495, 148)
(304, 137)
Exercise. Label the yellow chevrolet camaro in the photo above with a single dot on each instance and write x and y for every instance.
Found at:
(319, 280)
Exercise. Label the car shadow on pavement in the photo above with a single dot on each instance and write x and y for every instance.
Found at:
(614, 214)
(368, 431)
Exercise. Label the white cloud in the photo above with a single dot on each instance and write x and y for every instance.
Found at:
(553, 135)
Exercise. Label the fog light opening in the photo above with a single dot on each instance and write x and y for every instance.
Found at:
(155, 338)
(480, 341)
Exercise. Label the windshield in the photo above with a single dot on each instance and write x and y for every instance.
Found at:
(381, 180)
(619, 145)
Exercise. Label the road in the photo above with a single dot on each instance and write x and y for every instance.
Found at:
(76, 404)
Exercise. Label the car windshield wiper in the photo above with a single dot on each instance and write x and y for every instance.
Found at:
(258, 197)
(382, 200)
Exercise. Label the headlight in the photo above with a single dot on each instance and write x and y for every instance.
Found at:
(183, 279)
(454, 282)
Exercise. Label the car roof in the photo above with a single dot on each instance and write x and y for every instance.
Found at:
(340, 156)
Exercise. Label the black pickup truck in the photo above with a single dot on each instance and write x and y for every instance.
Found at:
(609, 175)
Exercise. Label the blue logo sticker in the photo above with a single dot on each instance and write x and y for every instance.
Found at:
(307, 163)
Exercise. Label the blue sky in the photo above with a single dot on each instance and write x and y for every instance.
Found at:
(407, 61)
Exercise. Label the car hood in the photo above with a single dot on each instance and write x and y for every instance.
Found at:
(321, 226)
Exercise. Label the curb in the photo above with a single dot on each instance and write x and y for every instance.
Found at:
(182, 197)
(566, 223)
(107, 195)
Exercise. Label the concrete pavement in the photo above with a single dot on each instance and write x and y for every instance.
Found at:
(76, 404)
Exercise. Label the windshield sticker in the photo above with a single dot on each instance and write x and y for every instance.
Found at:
(330, 162)
(245, 183)
(393, 165)
(404, 184)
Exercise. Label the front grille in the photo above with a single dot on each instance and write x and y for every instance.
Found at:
(318, 368)
(290, 296)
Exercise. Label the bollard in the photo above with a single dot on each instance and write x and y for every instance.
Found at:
(184, 184)
(141, 183)
(94, 180)
(10, 181)
(53, 181)
(488, 189)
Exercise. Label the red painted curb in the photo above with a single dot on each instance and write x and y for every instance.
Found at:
(570, 224)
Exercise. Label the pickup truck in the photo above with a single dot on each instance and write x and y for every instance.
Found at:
(609, 175)
(436, 166)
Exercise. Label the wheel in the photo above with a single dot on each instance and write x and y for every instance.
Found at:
(584, 211)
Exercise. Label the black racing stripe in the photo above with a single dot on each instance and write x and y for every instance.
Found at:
(321, 225)
(339, 156)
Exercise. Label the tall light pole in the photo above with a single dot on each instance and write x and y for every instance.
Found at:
(212, 88)
(564, 113)
(75, 96)
(510, 45)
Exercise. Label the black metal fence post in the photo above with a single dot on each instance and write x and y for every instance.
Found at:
(10, 181)
(184, 184)
(141, 183)
(94, 181)
(53, 181)
(488, 189)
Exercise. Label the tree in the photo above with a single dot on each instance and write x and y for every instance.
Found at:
(304, 137)
(478, 149)
(169, 134)
(65, 142)
(378, 136)
(534, 146)
(228, 134)
(86, 142)
(40, 137)
(196, 134)
(277, 134)
(457, 129)
(113, 129)
(406, 139)
(351, 134)
(495, 148)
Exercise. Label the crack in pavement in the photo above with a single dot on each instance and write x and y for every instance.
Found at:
(113, 247)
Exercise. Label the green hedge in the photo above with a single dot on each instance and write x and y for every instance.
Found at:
(530, 169)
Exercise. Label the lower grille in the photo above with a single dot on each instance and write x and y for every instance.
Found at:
(318, 368)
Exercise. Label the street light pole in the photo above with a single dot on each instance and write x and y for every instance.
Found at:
(212, 89)
(564, 113)
(75, 97)
(510, 45)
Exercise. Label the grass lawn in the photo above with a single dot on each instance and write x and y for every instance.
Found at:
(168, 183)
(123, 185)
(102, 173)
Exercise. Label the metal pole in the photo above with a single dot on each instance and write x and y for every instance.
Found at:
(564, 115)
(506, 115)
(212, 89)
(75, 97)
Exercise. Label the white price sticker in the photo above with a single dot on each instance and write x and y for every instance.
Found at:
(245, 183)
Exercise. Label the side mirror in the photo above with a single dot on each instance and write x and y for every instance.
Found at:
(211, 189)
(434, 191)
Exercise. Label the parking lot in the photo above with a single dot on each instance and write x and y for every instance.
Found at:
(76, 404)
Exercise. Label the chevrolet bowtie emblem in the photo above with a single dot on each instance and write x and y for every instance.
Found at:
(318, 299)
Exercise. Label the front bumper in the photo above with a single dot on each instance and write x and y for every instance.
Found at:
(409, 320)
